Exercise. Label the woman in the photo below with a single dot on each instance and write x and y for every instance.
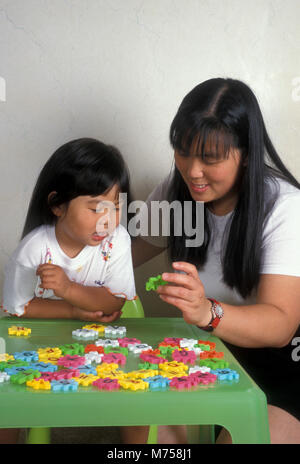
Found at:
(250, 259)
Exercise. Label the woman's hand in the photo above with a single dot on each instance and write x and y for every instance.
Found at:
(187, 294)
(95, 316)
(54, 277)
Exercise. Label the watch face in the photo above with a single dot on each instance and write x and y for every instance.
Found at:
(218, 311)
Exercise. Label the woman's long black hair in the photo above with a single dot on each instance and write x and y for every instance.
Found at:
(226, 112)
(83, 166)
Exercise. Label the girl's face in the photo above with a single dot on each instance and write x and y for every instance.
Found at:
(211, 180)
(87, 220)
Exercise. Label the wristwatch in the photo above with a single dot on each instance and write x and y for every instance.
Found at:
(217, 312)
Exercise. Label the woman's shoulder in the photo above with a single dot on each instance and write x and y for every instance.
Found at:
(29, 248)
(160, 192)
(284, 191)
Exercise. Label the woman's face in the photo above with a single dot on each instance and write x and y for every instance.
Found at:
(211, 180)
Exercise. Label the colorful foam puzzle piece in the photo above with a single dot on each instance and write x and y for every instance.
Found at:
(85, 334)
(184, 356)
(106, 384)
(44, 367)
(6, 357)
(204, 378)
(139, 348)
(22, 377)
(202, 369)
(112, 374)
(166, 350)
(85, 379)
(87, 370)
(49, 353)
(106, 343)
(172, 341)
(214, 363)
(148, 366)
(19, 331)
(72, 349)
(183, 382)
(211, 345)
(116, 349)
(142, 373)
(171, 374)
(4, 377)
(115, 330)
(39, 384)
(117, 358)
(154, 282)
(64, 385)
(226, 374)
(134, 384)
(124, 342)
(71, 361)
(29, 356)
(211, 354)
(93, 357)
(93, 348)
(12, 363)
(173, 366)
(65, 374)
(16, 370)
(98, 327)
(152, 359)
(188, 343)
(157, 382)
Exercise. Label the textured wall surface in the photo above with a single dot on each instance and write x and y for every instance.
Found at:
(117, 70)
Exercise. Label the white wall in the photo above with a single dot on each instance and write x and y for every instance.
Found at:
(117, 70)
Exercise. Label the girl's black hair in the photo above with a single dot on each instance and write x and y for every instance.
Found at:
(80, 167)
(225, 113)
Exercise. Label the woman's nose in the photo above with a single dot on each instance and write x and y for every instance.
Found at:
(195, 168)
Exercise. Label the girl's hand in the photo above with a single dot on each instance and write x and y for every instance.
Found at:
(97, 316)
(187, 294)
(54, 277)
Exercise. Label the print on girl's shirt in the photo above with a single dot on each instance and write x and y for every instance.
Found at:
(43, 292)
(99, 282)
(106, 254)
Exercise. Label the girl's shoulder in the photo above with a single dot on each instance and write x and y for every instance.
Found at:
(28, 251)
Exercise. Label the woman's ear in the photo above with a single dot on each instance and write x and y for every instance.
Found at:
(56, 210)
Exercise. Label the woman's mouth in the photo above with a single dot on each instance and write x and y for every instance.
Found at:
(199, 188)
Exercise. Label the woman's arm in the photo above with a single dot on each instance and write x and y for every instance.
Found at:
(143, 251)
(271, 322)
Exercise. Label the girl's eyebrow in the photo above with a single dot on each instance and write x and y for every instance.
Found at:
(94, 201)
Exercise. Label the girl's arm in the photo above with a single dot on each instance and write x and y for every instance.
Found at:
(60, 309)
(88, 298)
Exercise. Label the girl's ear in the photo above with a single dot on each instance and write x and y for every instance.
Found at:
(56, 210)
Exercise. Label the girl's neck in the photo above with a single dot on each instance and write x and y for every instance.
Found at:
(68, 246)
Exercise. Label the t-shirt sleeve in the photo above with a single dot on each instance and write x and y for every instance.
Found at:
(119, 278)
(281, 239)
(19, 287)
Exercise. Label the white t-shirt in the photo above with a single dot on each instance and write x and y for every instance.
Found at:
(108, 264)
(281, 242)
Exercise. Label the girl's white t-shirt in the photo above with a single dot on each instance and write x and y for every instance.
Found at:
(281, 242)
(108, 265)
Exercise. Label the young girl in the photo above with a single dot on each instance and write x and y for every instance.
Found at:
(74, 258)
(243, 283)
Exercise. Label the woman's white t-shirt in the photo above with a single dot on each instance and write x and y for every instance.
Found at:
(281, 242)
(108, 264)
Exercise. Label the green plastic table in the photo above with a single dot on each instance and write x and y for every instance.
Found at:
(240, 407)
